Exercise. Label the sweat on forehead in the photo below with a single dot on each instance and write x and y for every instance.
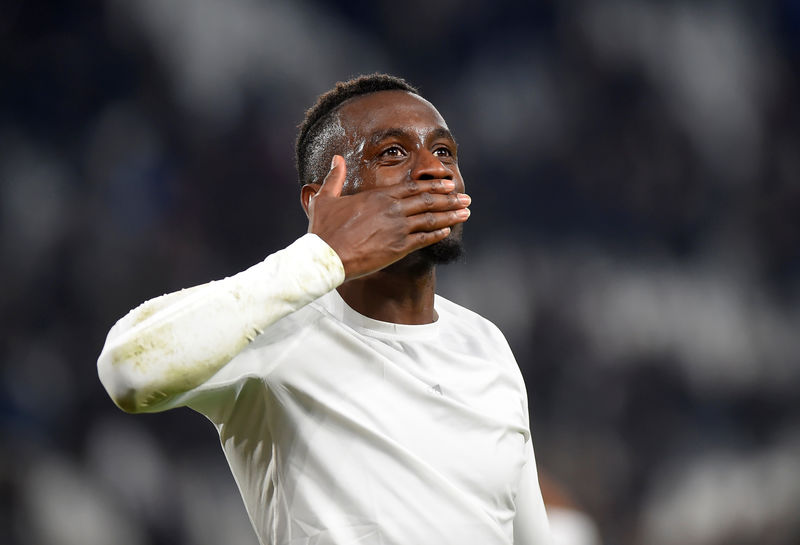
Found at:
(378, 111)
(320, 115)
(321, 147)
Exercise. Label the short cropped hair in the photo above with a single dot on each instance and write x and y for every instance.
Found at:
(317, 128)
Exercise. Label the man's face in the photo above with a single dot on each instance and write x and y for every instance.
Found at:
(393, 137)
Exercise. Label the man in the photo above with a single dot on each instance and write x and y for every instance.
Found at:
(353, 404)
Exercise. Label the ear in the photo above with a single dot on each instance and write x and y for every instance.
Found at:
(308, 191)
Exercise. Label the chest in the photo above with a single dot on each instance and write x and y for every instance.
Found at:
(452, 410)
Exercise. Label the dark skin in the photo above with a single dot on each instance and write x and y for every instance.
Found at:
(398, 191)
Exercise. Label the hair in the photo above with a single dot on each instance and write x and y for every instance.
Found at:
(320, 125)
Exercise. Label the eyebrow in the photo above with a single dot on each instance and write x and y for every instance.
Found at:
(436, 134)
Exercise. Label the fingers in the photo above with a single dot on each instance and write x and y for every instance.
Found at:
(433, 221)
(426, 238)
(432, 202)
(429, 207)
(431, 227)
(334, 181)
(416, 187)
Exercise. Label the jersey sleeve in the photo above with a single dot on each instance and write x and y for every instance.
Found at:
(171, 344)
(530, 522)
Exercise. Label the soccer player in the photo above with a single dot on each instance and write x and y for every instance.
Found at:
(352, 403)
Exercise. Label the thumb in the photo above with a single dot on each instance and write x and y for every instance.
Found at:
(334, 182)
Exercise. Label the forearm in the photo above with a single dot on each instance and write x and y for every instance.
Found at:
(174, 343)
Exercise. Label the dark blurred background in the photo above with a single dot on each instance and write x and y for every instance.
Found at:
(635, 171)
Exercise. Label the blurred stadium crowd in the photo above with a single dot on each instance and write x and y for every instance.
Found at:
(635, 172)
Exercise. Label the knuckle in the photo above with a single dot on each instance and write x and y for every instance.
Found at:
(395, 208)
(430, 219)
(427, 198)
(411, 186)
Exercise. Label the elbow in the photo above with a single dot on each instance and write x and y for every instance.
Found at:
(133, 363)
(123, 385)
(133, 399)
(122, 392)
(127, 401)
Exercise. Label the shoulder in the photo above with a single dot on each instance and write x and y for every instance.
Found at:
(476, 338)
(264, 353)
(471, 326)
(291, 325)
(450, 311)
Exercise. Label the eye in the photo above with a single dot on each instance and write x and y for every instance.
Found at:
(442, 152)
(393, 151)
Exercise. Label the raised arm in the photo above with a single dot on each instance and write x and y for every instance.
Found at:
(173, 343)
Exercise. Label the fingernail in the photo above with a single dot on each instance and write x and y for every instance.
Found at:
(464, 199)
(463, 213)
(449, 184)
(333, 162)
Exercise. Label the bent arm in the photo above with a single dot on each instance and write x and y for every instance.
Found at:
(173, 343)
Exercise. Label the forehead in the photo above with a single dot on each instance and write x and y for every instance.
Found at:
(367, 114)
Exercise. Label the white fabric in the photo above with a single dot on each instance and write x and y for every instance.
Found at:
(571, 527)
(173, 343)
(340, 429)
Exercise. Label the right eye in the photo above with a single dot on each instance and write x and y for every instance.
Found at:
(393, 151)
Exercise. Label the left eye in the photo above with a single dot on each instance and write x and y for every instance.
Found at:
(442, 152)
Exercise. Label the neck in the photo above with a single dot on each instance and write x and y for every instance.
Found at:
(396, 294)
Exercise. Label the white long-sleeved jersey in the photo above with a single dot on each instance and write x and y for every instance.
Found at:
(338, 428)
